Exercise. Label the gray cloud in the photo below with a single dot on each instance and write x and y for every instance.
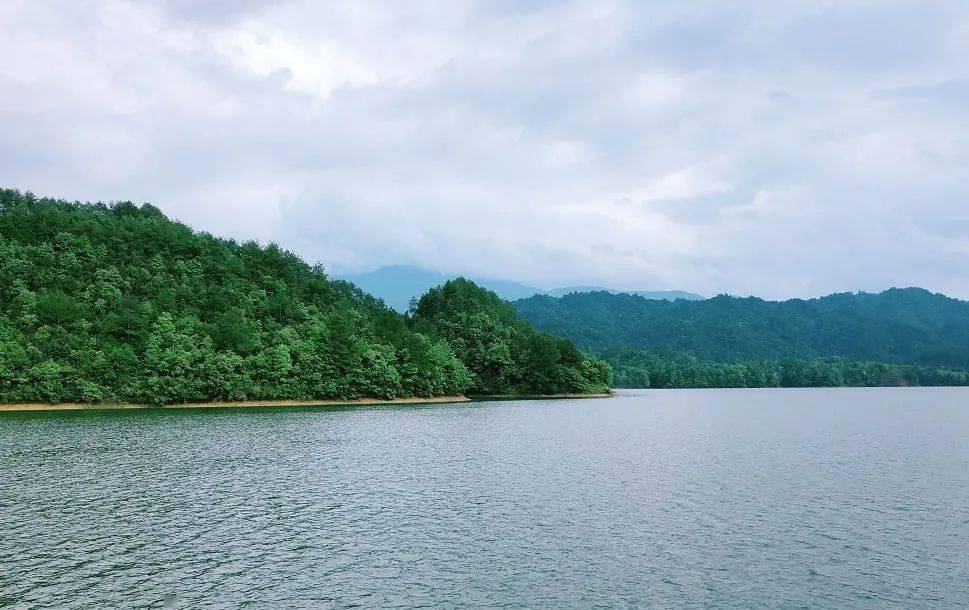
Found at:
(781, 149)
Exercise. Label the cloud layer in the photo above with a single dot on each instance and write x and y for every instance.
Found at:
(780, 149)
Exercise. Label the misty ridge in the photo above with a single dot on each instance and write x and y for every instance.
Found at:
(398, 284)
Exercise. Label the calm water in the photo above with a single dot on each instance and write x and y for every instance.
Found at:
(734, 498)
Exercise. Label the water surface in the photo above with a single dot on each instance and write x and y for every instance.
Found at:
(729, 498)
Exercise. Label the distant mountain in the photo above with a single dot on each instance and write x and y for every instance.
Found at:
(398, 284)
(909, 325)
(656, 295)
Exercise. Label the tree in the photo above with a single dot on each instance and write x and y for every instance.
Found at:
(115, 302)
(172, 358)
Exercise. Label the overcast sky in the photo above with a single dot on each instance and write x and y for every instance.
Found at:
(781, 149)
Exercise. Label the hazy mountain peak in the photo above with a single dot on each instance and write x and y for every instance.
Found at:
(398, 284)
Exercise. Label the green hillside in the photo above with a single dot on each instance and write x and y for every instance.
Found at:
(500, 349)
(118, 303)
(641, 368)
(908, 325)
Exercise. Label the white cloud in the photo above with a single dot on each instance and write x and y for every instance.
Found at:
(782, 149)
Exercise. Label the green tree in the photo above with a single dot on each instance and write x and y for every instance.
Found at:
(173, 358)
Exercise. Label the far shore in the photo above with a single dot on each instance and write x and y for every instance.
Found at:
(361, 402)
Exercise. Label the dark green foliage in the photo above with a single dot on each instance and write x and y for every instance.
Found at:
(650, 369)
(118, 303)
(897, 326)
(503, 353)
(899, 337)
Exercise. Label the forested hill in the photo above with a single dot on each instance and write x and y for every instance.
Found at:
(500, 349)
(908, 325)
(118, 303)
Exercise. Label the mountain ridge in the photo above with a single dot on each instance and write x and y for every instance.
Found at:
(398, 284)
(898, 325)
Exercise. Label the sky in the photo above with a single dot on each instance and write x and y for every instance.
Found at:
(781, 149)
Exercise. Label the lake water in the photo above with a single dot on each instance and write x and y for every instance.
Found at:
(730, 498)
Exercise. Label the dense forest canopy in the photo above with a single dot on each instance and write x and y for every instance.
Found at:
(118, 303)
(899, 326)
(503, 352)
(639, 368)
(898, 337)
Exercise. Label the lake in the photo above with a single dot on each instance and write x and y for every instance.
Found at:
(730, 498)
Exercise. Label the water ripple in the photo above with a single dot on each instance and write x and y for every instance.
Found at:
(830, 498)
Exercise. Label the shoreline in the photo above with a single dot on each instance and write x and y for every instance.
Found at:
(241, 404)
(30, 407)
(485, 397)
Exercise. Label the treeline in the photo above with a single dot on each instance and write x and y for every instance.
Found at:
(117, 303)
(659, 369)
(502, 352)
(896, 326)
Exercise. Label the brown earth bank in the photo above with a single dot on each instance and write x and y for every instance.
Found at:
(78, 406)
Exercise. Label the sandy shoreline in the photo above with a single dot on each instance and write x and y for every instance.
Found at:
(77, 406)
(538, 396)
(361, 402)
